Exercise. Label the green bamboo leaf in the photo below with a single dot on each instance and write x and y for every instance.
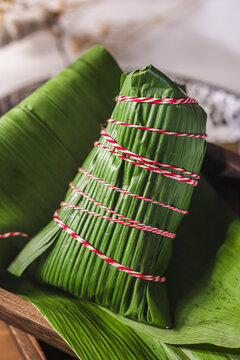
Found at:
(208, 352)
(90, 331)
(49, 134)
(40, 148)
(94, 334)
(203, 278)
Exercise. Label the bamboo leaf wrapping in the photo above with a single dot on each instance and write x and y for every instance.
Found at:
(39, 139)
(67, 264)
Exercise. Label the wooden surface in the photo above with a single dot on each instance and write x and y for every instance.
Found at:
(8, 347)
(27, 344)
(15, 344)
(233, 147)
(22, 314)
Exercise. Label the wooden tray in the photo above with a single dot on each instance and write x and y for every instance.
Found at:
(23, 315)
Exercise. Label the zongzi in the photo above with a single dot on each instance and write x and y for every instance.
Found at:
(111, 240)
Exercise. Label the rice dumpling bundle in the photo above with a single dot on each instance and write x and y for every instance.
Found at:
(111, 240)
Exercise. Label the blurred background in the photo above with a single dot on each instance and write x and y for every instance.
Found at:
(197, 41)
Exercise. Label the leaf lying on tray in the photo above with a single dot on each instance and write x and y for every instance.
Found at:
(49, 134)
(40, 148)
(94, 334)
(203, 291)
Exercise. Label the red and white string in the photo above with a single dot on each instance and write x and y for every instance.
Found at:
(164, 132)
(131, 223)
(143, 159)
(150, 167)
(133, 195)
(6, 235)
(168, 101)
(104, 257)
